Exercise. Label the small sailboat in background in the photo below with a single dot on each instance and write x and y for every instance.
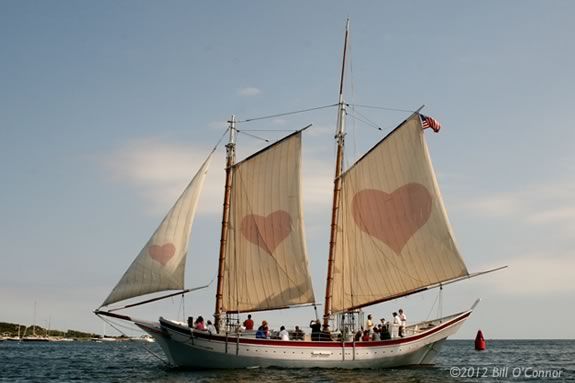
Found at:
(390, 237)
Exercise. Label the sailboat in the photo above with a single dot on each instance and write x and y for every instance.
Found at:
(390, 237)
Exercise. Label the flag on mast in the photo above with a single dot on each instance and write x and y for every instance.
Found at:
(430, 122)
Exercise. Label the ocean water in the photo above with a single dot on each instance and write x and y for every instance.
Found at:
(504, 360)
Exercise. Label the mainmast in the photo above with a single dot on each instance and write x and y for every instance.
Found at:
(230, 159)
(340, 138)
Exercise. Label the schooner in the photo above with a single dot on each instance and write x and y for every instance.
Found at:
(390, 237)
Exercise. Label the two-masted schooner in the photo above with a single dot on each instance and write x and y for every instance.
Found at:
(390, 237)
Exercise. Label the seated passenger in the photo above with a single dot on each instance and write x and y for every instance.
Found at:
(298, 334)
(263, 331)
(384, 334)
(211, 328)
(283, 335)
(366, 337)
(200, 323)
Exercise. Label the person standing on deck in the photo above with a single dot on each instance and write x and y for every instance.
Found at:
(315, 326)
(249, 323)
(395, 325)
(403, 323)
(369, 324)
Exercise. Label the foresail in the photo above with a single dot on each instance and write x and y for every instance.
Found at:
(393, 233)
(266, 263)
(161, 263)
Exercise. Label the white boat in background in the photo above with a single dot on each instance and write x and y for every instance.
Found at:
(390, 237)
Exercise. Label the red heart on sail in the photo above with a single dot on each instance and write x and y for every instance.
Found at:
(393, 217)
(162, 254)
(266, 232)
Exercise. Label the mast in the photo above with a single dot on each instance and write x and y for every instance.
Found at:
(230, 159)
(340, 138)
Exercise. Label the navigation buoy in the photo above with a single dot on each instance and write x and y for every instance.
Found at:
(479, 341)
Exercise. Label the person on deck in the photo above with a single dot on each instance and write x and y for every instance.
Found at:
(263, 331)
(284, 335)
(366, 337)
(249, 323)
(315, 330)
(200, 323)
(191, 322)
(211, 328)
(369, 324)
(384, 331)
(403, 323)
(298, 334)
(395, 325)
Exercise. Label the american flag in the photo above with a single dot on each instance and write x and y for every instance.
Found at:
(430, 122)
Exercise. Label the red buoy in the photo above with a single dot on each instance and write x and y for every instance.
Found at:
(480, 341)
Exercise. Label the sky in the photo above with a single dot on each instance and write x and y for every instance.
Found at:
(108, 108)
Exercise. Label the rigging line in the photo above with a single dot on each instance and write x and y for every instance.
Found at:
(141, 345)
(183, 309)
(287, 113)
(374, 124)
(220, 140)
(368, 121)
(382, 108)
(253, 136)
(364, 119)
(432, 307)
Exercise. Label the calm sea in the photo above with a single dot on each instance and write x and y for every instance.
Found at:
(505, 360)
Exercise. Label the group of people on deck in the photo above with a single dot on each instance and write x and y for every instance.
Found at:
(199, 324)
(263, 331)
(383, 331)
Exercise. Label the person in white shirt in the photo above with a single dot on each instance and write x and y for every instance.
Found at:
(284, 335)
(395, 325)
(403, 320)
(211, 328)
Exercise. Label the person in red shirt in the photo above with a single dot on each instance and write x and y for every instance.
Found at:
(249, 323)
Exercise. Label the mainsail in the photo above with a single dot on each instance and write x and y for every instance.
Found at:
(266, 264)
(160, 264)
(394, 237)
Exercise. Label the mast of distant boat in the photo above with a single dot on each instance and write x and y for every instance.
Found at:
(230, 159)
(340, 138)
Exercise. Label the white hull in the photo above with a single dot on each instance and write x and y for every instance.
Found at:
(196, 349)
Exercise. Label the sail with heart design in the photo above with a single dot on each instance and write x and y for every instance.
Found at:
(393, 235)
(266, 264)
(161, 263)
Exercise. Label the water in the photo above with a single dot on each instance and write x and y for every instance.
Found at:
(130, 362)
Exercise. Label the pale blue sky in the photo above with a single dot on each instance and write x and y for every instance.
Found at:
(107, 109)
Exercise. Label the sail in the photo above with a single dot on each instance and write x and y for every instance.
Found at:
(393, 235)
(266, 263)
(161, 263)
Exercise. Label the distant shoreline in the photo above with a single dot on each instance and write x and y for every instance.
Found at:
(13, 331)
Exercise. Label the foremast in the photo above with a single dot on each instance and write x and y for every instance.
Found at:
(230, 160)
(340, 140)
